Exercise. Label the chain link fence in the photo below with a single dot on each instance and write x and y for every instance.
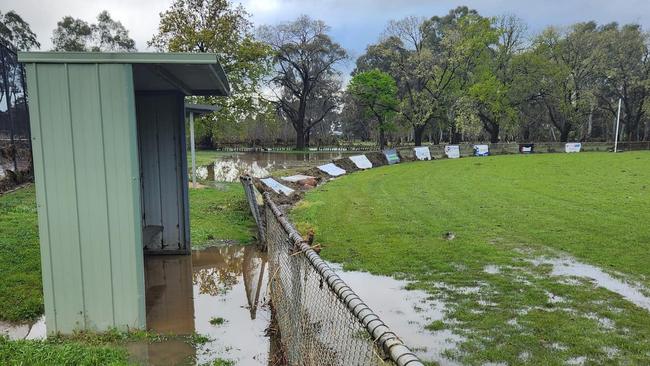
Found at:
(321, 320)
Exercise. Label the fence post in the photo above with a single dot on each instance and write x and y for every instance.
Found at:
(249, 190)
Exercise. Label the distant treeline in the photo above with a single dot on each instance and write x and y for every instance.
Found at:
(453, 78)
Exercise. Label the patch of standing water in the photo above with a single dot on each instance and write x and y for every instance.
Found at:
(492, 269)
(31, 330)
(406, 312)
(228, 168)
(183, 295)
(571, 268)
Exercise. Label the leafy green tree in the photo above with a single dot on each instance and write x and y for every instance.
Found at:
(71, 35)
(625, 74)
(460, 41)
(561, 74)
(375, 92)
(490, 96)
(432, 61)
(217, 26)
(110, 35)
(107, 35)
(15, 31)
(305, 76)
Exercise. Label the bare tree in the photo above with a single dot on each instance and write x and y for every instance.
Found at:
(305, 77)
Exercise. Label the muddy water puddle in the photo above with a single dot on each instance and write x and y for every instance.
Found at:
(228, 168)
(218, 292)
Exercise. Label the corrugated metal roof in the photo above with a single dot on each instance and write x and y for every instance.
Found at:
(189, 73)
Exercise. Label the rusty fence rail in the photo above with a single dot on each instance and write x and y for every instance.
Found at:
(321, 320)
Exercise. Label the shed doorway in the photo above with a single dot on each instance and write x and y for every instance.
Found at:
(163, 177)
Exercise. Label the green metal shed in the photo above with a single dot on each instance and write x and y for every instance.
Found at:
(111, 175)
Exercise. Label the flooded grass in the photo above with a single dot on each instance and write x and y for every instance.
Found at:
(409, 313)
(505, 213)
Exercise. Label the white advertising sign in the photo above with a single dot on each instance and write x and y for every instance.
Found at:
(361, 161)
(276, 186)
(481, 150)
(296, 178)
(332, 169)
(452, 151)
(422, 153)
(573, 147)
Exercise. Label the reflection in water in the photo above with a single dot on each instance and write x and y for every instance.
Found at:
(184, 293)
(260, 164)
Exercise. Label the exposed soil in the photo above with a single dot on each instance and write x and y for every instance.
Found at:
(377, 159)
(347, 165)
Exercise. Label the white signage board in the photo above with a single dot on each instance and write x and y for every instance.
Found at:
(481, 150)
(332, 170)
(573, 147)
(361, 161)
(276, 186)
(297, 178)
(422, 153)
(452, 151)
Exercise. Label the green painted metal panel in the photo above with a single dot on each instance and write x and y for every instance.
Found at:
(39, 172)
(119, 57)
(123, 194)
(86, 166)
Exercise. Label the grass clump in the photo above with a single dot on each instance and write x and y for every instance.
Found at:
(56, 352)
(217, 321)
(220, 214)
(503, 211)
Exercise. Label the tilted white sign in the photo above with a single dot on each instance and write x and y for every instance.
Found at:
(361, 161)
(296, 178)
(422, 153)
(276, 186)
(573, 147)
(452, 151)
(481, 150)
(332, 169)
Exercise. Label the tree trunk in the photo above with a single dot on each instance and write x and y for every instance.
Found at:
(455, 137)
(564, 134)
(418, 131)
(494, 134)
(300, 139)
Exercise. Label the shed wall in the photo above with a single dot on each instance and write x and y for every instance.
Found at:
(88, 197)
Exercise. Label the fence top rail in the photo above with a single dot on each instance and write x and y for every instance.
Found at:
(386, 339)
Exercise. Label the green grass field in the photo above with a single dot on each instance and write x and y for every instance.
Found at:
(504, 211)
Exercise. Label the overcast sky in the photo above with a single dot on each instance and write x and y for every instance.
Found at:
(355, 23)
